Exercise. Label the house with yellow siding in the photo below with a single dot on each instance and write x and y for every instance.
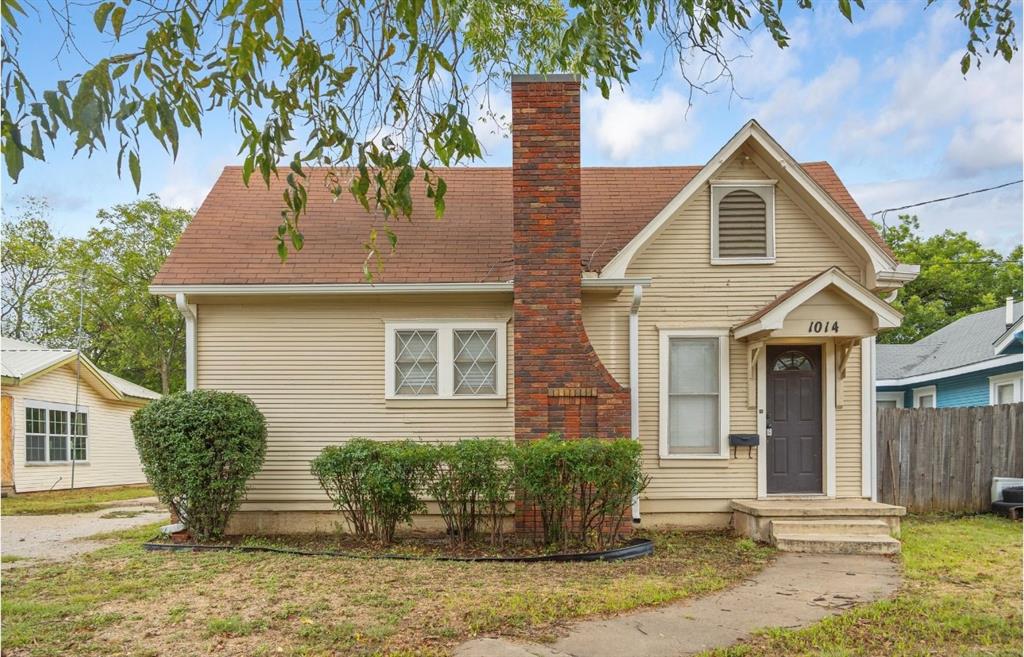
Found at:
(723, 315)
(66, 423)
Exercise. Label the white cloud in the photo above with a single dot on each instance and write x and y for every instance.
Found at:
(887, 16)
(626, 128)
(985, 146)
(929, 97)
(797, 107)
(992, 218)
(188, 180)
(492, 121)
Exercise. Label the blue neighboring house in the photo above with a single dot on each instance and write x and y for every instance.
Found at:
(975, 361)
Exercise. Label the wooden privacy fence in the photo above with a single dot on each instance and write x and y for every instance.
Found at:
(944, 459)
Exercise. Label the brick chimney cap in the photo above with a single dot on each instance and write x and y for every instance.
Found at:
(544, 77)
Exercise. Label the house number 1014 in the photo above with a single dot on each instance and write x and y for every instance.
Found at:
(823, 327)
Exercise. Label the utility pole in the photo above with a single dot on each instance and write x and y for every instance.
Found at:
(72, 425)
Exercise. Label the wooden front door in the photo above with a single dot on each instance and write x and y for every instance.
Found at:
(794, 419)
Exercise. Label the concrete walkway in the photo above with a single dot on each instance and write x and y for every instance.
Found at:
(60, 537)
(795, 591)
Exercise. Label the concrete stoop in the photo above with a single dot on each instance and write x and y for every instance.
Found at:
(847, 536)
(821, 526)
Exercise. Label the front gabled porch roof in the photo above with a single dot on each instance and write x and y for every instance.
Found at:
(771, 320)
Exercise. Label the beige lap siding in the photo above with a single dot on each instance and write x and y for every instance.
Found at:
(315, 367)
(113, 460)
(687, 292)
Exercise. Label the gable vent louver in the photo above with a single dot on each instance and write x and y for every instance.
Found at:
(742, 225)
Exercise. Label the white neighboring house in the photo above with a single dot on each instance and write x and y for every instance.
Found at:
(43, 432)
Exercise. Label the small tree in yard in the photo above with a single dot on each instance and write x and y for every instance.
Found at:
(198, 450)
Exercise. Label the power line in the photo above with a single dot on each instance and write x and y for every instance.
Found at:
(947, 198)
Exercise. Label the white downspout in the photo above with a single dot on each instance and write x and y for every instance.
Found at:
(634, 377)
(873, 413)
(188, 312)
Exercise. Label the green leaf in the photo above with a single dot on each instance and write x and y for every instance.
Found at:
(117, 20)
(846, 10)
(100, 15)
(13, 158)
(965, 63)
(135, 168)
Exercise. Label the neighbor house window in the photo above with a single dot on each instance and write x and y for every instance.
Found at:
(925, 397)
(55, 433)
(742, 223)
(889, 399)
(445, 359)
(694, 405)
(1005, 388)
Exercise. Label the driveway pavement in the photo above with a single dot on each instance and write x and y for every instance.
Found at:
(61, 537)
(795, 591)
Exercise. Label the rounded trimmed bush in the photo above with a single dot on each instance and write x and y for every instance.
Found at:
(198, 450)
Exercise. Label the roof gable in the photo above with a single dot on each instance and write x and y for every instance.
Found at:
(23, 361)
(818, 180)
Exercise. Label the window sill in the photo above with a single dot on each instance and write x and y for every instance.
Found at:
(53, 464)
(447, 402)
(696, 461)
(743, 261)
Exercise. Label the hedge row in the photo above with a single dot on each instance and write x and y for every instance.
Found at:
(198, 450)
(582, 489)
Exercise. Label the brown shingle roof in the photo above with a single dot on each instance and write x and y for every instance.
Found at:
(231, 239)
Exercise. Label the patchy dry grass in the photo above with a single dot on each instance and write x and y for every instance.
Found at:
(122, 600)
(80, 500)
(962, 596)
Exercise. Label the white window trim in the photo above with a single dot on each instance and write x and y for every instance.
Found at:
(445, 357)
(764, 189)
(665, 335)
(1000, 380)
(897, 397)
(923, 391)
(54, 406)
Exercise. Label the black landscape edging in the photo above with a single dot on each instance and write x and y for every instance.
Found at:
(638, 547)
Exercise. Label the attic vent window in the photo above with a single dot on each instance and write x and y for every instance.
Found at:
(743, 223)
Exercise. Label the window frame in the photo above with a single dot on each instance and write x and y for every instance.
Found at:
(889, 395)
(924, 391)
(665, 339)
(766, 190)
(997, 380)
(446, 356)
(47, 407)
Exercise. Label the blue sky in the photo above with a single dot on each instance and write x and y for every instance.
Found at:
(882, 99)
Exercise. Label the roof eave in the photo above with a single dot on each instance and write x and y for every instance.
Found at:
(371, 288)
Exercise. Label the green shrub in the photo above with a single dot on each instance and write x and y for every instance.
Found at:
(472, 483)
(374, 484)
(198, 450)
(582, 489)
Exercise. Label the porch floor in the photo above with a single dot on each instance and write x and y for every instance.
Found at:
(820, 525)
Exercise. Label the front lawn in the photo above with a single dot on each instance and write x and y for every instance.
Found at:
(962, 596)
(80, 500)
(122, 600)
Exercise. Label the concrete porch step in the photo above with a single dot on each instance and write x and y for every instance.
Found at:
(836, 543)
(838, 526)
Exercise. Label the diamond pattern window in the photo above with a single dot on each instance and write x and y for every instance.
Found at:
(416, 362)
(476, 362)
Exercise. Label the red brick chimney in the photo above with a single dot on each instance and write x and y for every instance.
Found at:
(560, 383)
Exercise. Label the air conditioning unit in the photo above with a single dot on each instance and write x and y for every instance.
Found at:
(999, 483)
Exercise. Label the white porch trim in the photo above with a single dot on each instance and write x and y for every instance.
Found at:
(774, 318)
